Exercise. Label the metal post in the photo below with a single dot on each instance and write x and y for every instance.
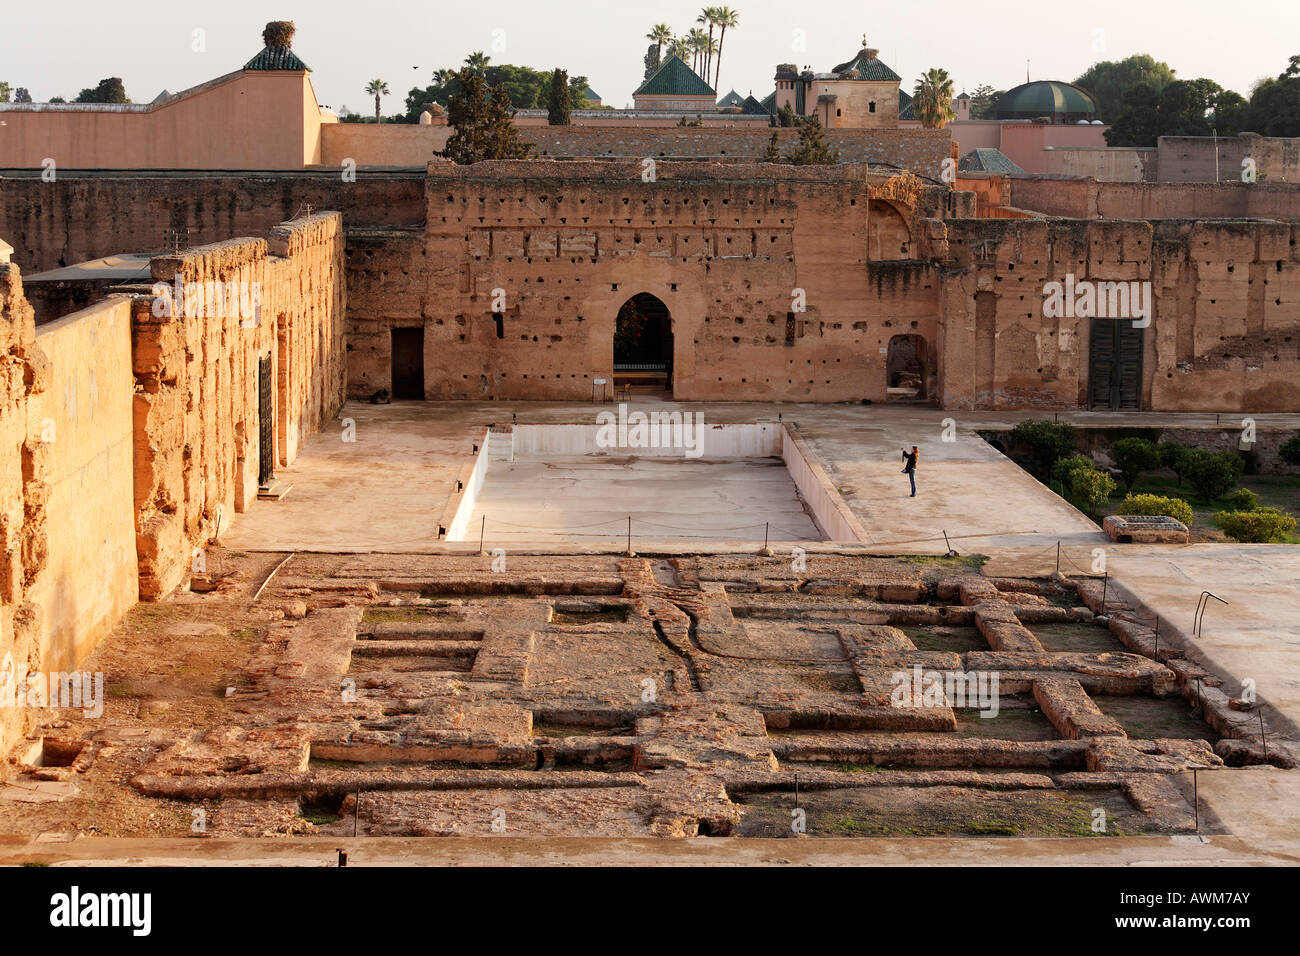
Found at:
(1105, 582)
(629, 534)
(1262, 736)
(1156, 657)
(1196, 800)
(796, 790)
(482, 530)
(766, 525)
(1058, 557)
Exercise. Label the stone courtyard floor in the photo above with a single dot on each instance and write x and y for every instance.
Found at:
(571, 704)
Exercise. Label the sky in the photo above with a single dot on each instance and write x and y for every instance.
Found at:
(165, 44)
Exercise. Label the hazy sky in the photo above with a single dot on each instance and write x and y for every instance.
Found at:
(56, 50)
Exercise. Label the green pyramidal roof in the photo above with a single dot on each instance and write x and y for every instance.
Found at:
(276, 58)
(869, 67)
(674, 78)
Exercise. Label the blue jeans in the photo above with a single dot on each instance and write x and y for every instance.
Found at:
(911, 476)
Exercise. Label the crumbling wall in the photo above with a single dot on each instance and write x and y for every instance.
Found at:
(86, 215)
(196, 365)
(1089, 199)
(23, 495)
(1224, 323)
(763, 269)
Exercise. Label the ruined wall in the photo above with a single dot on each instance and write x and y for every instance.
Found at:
(723, 247)
(197, 441)
(1203, 159)
(1089, 199)
(23, 537)
(84, 216)
(920, 150)
(82, 425)
(1223, 335)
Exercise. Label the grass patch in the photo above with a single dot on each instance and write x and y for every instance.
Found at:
(1148, 718)
(939, 811)
(954, 640)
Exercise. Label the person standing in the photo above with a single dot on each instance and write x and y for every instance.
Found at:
(909, 467)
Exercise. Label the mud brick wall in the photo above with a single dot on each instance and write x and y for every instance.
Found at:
(920, 150)
(83, 216)
(1088, 199)
(1224, 330)
(724, 247)
(23, 492)
(83, 424)
(197, 410)
(1202, 159)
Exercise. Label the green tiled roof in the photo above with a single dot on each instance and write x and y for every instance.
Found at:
(752, 107)
(276, 58)
(905, 106)
(731, 99)
(1046, 98)
(674, 78)
(769, 102)
(869, 68)
(988, 161)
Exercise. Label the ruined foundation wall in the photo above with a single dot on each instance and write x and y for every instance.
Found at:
(197, 404)
(1225, 322)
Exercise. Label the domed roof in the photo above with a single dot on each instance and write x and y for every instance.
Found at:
(1063, 102)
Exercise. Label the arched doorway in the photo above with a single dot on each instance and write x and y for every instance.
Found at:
(643, 344)
(905, 369)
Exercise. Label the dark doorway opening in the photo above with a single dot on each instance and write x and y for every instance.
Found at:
(643, 344)
(408, 363)
(1115, 365)
(265, 423)
(905, 369)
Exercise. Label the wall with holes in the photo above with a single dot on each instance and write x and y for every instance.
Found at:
(522, 268)
(1224, 325)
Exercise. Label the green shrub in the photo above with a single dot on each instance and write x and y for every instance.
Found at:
(1065, 468)
(1091, 487)
(1213, 474)
(1175, 508)
(1259, 526)
(1047, 441)
(1174, 456)
(1243, 499)
(1133, 456)
(1290, 450)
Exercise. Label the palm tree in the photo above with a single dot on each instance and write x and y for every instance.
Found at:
(725, 17)
(377, 88)
(709, 15)
(697, 40)
(477, 62)
(660, 34)
(679, 47)
(932, 99)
